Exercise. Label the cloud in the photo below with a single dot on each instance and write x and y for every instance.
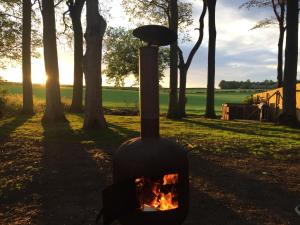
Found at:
(241, 53)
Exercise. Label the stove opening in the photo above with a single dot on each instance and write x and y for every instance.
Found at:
(157, 193)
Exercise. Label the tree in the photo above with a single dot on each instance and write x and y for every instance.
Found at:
(10, 33)
(281, 22)
(121, 56)
(75, 10)
(210, 93)
(173, 98)
(184, 66)
(16, 43)
(177, 15)
(26, 57)
(278, 7)
(288, 115)
(96, 26)
(54, 110)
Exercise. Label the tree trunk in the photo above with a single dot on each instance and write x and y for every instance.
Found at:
(26, 58)
(184, 67)
(210, 97)
(280, 58)
(75, 13)
(96, 26)
(182, 89)
(288, 116)
(173, 95)
(54, 110)
(280, 47)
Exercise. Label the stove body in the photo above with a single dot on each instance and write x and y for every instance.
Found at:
(158, 166)
(149, 158)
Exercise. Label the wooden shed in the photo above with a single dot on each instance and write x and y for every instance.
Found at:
(274, 99)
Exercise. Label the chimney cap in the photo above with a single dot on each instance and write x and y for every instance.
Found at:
(155, 35)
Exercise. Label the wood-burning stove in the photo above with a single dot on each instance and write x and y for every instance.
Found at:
(153, 169)
(154, 159)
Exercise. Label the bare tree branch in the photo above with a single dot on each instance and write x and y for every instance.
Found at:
(34, 2)
(274, 6)
(200, 38)
(263, 23)
(60, 1)
(64, 21)
(10, 15)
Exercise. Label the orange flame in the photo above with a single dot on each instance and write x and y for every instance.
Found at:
(170, 179)
(157, 194)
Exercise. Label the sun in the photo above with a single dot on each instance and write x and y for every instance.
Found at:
(38, 76)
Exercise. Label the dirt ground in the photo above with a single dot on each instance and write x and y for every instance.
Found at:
(61, 183)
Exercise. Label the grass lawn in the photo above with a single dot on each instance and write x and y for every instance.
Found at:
(197, 133)
(241, 172)
(128, 97)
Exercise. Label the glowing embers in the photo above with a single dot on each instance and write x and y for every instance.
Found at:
(157, 193)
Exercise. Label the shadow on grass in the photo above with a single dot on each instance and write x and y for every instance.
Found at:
(109, 138)
(240, 127)
(7, 128)
(282, 129)
(258, 200)
(207, 210)
(71, 180)
(73, 174)
(66, 189)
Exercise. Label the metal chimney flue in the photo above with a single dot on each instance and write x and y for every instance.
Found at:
(149, 91)
(154, 36)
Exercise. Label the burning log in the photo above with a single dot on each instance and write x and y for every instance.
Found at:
(158, 193)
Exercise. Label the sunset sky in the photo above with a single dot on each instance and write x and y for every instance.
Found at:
(241, 53)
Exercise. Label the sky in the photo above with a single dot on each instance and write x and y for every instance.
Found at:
(241, 53)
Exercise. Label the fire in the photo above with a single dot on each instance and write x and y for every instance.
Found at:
(158, 193)
(170, 179)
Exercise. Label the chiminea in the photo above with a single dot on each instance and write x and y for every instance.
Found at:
(150, 172)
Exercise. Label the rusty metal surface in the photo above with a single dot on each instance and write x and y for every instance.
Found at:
(155, 35)
(149, 91)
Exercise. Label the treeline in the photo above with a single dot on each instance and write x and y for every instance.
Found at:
(267, 84)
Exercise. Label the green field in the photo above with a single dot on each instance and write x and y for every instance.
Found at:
(129, 97)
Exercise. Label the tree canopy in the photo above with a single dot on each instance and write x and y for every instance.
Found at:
(10, 39)
(158, 11)
(11, 32)
(279, 14)
(121, 56)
